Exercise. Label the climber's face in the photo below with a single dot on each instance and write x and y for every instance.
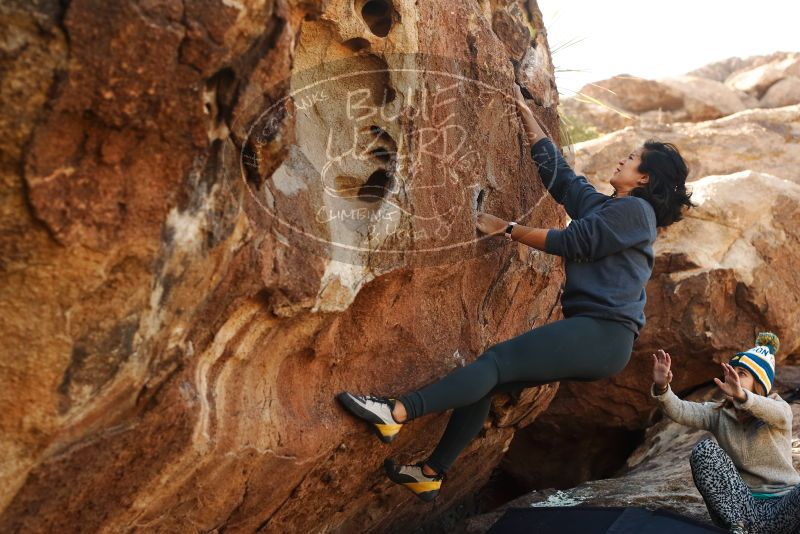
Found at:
(626, 176)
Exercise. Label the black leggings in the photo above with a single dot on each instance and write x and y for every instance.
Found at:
(577, 348)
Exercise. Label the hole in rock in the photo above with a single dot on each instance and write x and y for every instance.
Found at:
(368, 82)
(380, 133)
(347, 186)
(223, 85)
(381, 145)
(378, 16)
(381, 154)
(389, 95)
(356, 44)
(472, 44)
(375, 187)
(479, 201)
(571, 453)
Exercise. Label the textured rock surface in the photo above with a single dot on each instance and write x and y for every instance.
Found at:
(711, 92)
(722, 274)
(656, 475)
(761, 140)
(756, 80)
(784, 92)
(170, 352)
(723, 69)
(634, 94)
(704, 99)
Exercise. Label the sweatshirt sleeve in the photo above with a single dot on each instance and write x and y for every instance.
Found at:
(775, 412)
(692, 414)
(621, 224)
(574, 192)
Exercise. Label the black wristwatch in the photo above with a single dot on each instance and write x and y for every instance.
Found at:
(508, 230)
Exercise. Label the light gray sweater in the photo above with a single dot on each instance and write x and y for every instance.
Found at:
(761, 449)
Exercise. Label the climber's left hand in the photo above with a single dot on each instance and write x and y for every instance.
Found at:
(489, 224)
(732, 387)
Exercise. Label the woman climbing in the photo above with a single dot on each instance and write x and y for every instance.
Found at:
(746, 477)
(609, 258)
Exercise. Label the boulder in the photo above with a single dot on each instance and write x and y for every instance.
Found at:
(595, 114)
(723, 274)
(722, 70)
(757, 80)
(716, 90)
(216, 216)
(616, 102)
(784, 92)
(761, 140)
(703, 99)
(656, 476)
(634, 94)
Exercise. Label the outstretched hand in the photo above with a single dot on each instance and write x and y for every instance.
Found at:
(732, 387)
(662, 375)
(519, 100)
(533, 130)
(489, 224)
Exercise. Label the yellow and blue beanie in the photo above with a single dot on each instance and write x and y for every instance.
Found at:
(760, 360)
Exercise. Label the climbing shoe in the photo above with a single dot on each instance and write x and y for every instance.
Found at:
(412, 477)
(374, 410)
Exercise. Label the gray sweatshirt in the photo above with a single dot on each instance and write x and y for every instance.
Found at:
(761, 449)
(608, 245)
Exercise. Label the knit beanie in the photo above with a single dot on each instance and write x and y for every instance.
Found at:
(760, 360)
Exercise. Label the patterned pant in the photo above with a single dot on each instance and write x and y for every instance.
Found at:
(728, 498)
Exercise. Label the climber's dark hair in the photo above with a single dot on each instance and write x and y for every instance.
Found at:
(666, 189)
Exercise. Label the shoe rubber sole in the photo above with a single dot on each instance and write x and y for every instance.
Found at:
(385, 432)
(426, 491)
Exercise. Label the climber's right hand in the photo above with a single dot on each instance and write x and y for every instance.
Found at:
(524, 111)
(533, 130)
(662, 375)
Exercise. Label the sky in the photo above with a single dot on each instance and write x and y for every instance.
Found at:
(660, 39)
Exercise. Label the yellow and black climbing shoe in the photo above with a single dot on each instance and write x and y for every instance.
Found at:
(412, 477)
(375, 410)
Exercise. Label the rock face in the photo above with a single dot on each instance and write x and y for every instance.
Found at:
(704, 99)
(722, 70)
(714, 91)
(761, 140)
(722, 274)
(756, 81)
(656, 475)
(197, 252)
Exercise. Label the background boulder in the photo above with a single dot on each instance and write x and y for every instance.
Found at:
(761, 140)
(711, 92)
(657, 474)
(722, 275)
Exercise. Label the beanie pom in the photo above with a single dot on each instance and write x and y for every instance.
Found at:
(769, 340)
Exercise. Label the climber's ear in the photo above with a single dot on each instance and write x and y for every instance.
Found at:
(643, 180)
